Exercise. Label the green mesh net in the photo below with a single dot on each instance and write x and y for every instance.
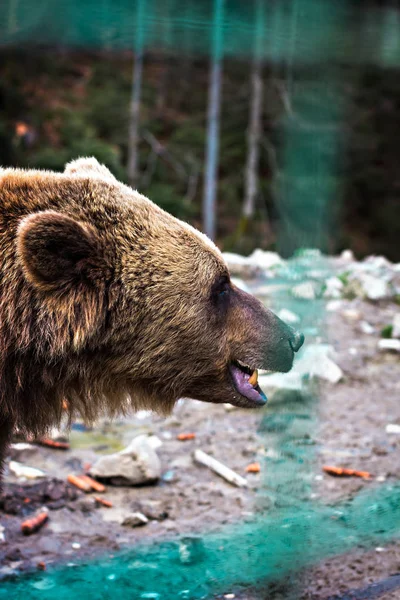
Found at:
(297, 531)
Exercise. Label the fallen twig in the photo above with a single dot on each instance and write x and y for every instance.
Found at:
(343, 472)
(219, 468)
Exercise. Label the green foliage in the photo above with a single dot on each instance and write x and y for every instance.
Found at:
(165, 196)
(387, 331)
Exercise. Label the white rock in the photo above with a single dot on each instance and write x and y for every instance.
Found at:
(347, 255)
(334, 305)
(316, 361)
(21, 470)
(288, 316)
(352, 314)
(240, 284)
(265, 260)
(378, 262)
(389, 345)
(136, 519)
(365, 327)
(396, 326)
(334, 288)
(2, 536)
(154, 442)
(287, 381)
(374, 288)
(392, 428)
(137, 464)
(305, 290)
(241, 266)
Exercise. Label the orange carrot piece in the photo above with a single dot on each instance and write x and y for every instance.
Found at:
(31, 525)
(95, 485)
(53, 444)
(183, 437)
(41, 565)
(103, 501)
(253, 468)
(78, 482)
(343, 472)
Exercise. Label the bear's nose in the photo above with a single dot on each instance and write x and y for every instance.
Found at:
(296, 340)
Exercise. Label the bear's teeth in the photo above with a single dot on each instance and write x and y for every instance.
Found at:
(254, 378)
(242, 364)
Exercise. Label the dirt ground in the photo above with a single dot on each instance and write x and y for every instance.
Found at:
(352, 417)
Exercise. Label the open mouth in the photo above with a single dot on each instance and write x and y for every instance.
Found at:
(245, 380)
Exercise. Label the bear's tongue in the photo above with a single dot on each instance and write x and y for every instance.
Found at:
(246, 385)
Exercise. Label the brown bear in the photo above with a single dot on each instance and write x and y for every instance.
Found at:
(108, 302)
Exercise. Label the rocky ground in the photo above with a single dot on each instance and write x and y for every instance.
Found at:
(354, 424)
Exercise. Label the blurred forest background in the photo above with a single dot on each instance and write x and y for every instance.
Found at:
(58, 102)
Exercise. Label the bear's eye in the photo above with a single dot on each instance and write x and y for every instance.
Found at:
(221, 289)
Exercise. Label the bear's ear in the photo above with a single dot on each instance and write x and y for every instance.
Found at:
(57, 252)
(88, 167)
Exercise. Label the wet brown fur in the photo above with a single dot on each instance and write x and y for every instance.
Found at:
(109, 302)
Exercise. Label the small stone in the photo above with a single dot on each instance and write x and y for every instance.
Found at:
(136, 519)
(168, 476)
(366, 328)
(75, 545)
(351, 314)
(334, 287)
(390, 344)
(347, 255)
(334, 305)
(288, 316)
(305, 291)
(392, 428)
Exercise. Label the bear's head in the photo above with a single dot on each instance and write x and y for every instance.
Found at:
(127, 304)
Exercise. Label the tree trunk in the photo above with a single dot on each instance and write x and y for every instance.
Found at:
(255, 123)
(213, 118)
(134, 111)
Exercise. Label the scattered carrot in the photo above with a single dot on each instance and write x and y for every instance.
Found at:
(183, 437)
(27, 500)
(253, 468)
(31, 525)
(103, 501)
(53, 444)
(343, 472)
(95, 485)
(65, 405)
(78, 482)
(41, 566)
